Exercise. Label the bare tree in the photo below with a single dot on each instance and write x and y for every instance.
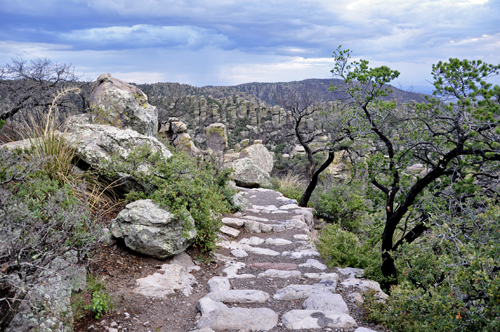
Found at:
(303, 106)
(26, 85)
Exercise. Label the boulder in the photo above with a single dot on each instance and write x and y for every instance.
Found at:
(153, 231)
(122, 105)
(217, 137)
(95, 144)
(259, 155)
(49, 305)
(247, 174)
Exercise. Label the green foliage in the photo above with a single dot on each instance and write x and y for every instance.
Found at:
(2, 123)
(343, 248)
(101, 304)
(341, 202)
(184, 185)
(450, 279)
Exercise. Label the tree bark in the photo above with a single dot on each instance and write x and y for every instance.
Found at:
(314, 180)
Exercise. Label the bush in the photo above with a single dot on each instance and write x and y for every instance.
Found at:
(342, 248)
(449, 281)
(184, 185)
(41, 220)
(340, 202)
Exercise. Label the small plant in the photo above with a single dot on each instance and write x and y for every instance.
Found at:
(101, 304)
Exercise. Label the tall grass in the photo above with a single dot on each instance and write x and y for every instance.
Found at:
(291, 185)
(47, 139)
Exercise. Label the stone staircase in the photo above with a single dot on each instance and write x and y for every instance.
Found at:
(273, 279)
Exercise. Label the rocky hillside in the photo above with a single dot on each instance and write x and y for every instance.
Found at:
(248, 110)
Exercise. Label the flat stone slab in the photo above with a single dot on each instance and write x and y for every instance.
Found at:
(239, 253)
(322, 276)
(351, 271)
(289, 206)
(313, 263)
(279, 274)
(229, 231)
(262, 251)
(174, 277)
(278, 242)
(301, 236)
(219, 317)
(275, 266)
(313, 319)
(363, 285)
(239, 296)
(256, 218)
(253, 241)
(218, 284)
(326, 302)
(233, 222)
(364, 329)
(297, 292)
(301, 254)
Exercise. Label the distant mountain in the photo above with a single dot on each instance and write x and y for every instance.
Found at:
(267, 91)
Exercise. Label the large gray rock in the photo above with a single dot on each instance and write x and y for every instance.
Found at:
(259, 155)
(247, 174)
(49, 301)
(96, 144)
(217, 137)
(122, 105)
(153, 231)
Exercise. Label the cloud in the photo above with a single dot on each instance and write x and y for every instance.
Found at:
(144, 36)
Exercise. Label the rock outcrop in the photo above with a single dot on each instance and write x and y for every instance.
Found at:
(217, 137)
(95, 144)
(122, 105)
(174, 131)
(247, 174)
(153, 231)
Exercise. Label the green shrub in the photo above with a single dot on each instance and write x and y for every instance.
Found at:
(449, 280)
(342, 248)
(184, 185)
(340, 202)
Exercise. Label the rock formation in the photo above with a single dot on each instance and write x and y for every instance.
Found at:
(174, 131)
(122, 105)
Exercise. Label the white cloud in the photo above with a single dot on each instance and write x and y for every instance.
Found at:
(145, 36)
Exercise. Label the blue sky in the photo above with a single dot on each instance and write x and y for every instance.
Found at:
(228, 42)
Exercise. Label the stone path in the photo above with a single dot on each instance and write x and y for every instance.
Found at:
(273, 278)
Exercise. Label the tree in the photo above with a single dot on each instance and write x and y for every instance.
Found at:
(457, 145)
(26, 85)
(303, 106)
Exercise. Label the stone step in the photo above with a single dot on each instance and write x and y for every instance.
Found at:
(298, 292)
(239, 296)
(314, 319)
(279, 274)
(218, 317)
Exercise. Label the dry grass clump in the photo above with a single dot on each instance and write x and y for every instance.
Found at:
(291, 185)
(46, 137)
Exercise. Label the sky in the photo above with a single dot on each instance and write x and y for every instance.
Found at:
(229, 42)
